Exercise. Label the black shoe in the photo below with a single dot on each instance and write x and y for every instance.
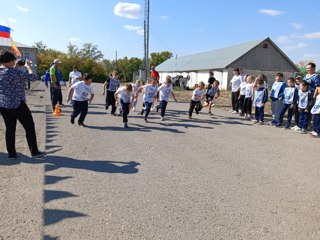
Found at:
(197, 111)
(38, 154)
(126, 125)
(142, 111)
(81, 125)
(107, 107)
(12, 156)
(72, 120)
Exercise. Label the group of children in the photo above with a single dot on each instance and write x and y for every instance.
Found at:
(298, 97)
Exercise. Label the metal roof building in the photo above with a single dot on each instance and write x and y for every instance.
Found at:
(255, 57)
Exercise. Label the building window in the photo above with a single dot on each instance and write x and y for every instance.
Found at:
(265, 45)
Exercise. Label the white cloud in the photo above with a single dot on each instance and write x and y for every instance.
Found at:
(315, 35)
(296, 25)
(128, 10)
(22, 9)
(295, 47)
(12, 20)
(75, 39)
(283, 39)
(164, 17)
(271, 12)
(138, 29)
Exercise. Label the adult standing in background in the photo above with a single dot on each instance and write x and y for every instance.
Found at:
(74, 76)
(235, 90)
(55, 83)
(312, 78)
(155, 74)
(13, 105)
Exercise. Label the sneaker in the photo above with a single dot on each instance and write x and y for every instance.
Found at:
(197, 111)
(278, 124)
(162, 119)
(254, 120)
(146, 120)
(259, 123)
(210, 113)
(81, 125)
(142, 111)
(107, 107)
(230, 111)
(189, 117)
(234, 112)
(313, 132)
(303, 131)
(293, 128)
(297, 130)
(72, 120)
(272, 123)
(38, 154)
(133, 109)
(126, 125)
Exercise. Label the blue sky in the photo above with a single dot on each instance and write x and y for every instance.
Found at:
(179, 26)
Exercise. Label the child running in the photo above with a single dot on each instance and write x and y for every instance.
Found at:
(81, 93)
(135, 88)
(260, 99)
(197, 96)
(150, 93)
(126, 95)
(110, 86)
(213, 92)
(164, 93)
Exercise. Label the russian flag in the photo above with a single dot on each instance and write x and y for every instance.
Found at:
(4, 31)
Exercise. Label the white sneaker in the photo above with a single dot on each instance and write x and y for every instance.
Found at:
(254, 120)
(134, 109)
(230, 111)
(303, 131)
(293, 128)
(313, 132)
(162, 118)
(234, 112)
(297, 130)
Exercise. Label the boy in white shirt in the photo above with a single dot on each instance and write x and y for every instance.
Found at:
(165, 90)
(235, 90)
(81, 93)
(126, 95)
(214, 92)
(197, 96)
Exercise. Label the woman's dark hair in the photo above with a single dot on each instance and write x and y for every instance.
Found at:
(6, 56)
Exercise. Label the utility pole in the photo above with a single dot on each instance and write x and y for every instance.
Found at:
(146, 38)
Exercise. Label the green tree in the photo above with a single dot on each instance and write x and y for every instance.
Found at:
(159, 57)
(40, 46)
(89, 50)
(73, 50)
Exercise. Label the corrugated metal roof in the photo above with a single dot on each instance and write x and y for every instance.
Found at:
(7, 42)
(215, 59)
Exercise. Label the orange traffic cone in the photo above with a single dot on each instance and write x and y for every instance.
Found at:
(57, 111)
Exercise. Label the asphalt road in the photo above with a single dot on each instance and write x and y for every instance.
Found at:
(211, 177)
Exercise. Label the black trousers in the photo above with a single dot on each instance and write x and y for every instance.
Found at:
(56, 96)
(241, 103)
(110, 100)
(235, 101)
(80, 107)
(163, 105)
(247, 105)
(195, 104)
(125, 111)
(24, 116)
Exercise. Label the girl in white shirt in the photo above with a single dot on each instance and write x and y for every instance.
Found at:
(126, 95)
(197, 96)
(82, 94)
(135, 88)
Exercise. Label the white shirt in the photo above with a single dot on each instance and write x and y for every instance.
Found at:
(150, 92)
(81, 91)
(243, 88)
(74, 75)
(288, 95)
(135, 88)
(235, 83)
(164, 92)
(303, 99)
(316, 108)
(249, 90)
(113, 84)
(125, 96)
(197, 94)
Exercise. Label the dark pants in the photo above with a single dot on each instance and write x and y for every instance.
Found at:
(193, 105)
(296, 115)
(162, 105)
(259, 113)
(80, 107)
(284, 108)
(247, 105)
(56, 96)
(316, 123)
(148, 109)
(304, 119)
(125, 111)
(24, 116)
(241, 103)
(235, 101)
(111, 101)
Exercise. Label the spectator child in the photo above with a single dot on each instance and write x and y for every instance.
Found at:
(242, 96)
(276, 96)
(247, 106)
(197, 96)
(82, 94)
(126, 95)
(235, 89)
(295, 110)
(304, 107)
(316, 113)
(214, 92)
(164, 93)
(260, 98)
(289, 101)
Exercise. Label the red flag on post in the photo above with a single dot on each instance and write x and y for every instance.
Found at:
(15, 49)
